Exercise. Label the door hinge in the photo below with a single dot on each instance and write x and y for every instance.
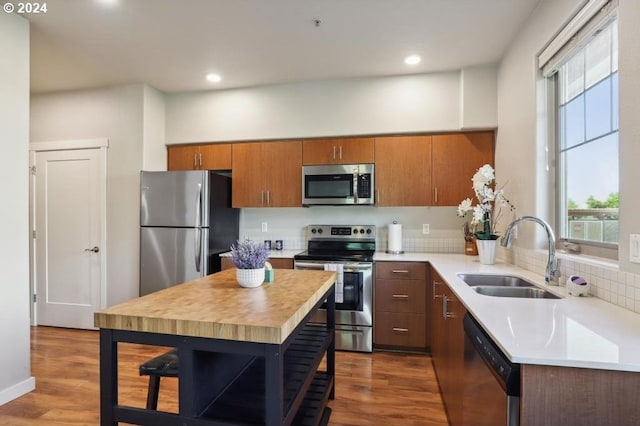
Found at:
(33, 170)
(33, 234)
(35, 298)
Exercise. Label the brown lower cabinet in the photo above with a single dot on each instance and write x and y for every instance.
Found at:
(550, 395)
(447, 346)
(567, 396)
(401, 312)
(276, 262)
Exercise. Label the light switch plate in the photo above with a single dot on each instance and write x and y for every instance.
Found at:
(425, 228)
(264, 227)
(634, 248)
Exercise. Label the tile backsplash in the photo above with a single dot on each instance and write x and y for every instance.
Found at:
(606, 282)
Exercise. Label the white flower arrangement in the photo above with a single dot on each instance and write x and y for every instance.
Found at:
(488, 211)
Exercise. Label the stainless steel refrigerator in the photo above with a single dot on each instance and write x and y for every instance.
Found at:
(186, 221)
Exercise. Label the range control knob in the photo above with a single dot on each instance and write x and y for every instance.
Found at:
(319, 230)
(369, 231)
(361, 230)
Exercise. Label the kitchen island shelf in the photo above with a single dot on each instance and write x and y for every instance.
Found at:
(244, 399)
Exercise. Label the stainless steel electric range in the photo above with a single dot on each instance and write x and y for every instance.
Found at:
(348, 250)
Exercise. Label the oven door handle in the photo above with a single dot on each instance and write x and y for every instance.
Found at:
(309, 266)
(320, 266)
(357, 268)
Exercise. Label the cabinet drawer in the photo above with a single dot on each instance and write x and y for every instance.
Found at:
(281, 263)
(401, 296)
(276, 262)
(401, 270)
(403, 330)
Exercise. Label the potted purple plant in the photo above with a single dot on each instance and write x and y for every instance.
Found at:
(249, 258)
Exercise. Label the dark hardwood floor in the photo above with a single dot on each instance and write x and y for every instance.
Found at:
(371, 389)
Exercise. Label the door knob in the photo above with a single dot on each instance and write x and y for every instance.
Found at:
(95, 249)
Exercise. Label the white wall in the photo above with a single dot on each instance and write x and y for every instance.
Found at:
(15, 378)
(478, 97)
(416, 103)
(629, 66)
(117, 114)
(521, 163)
(154, 153)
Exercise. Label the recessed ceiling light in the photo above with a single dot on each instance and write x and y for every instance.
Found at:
(412, 60)
(214, 78)
(108, 2)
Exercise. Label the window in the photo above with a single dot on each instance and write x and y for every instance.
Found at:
(587, 139)
(580, 70)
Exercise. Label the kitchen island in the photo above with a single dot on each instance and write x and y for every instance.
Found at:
(247, 355)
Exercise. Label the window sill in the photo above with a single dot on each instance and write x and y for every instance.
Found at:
(587, 260)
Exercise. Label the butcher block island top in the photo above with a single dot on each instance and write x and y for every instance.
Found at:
(217, 307)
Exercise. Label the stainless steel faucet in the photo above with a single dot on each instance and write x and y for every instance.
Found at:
(551, 274)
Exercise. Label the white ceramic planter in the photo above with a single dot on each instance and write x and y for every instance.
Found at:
(487, 251)
(250, 277)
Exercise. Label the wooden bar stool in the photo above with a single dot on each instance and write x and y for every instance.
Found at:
(165, 365)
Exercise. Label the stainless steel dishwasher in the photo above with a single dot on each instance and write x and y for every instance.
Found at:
(491, 392)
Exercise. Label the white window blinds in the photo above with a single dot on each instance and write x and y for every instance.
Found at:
(587, 23)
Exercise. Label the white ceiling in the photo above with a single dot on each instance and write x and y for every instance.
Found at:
(172, 44)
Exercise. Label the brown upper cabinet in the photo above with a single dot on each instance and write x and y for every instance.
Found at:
(455, 158)
(267, 174)
(215, 156)
(337, 151)
(403, 170)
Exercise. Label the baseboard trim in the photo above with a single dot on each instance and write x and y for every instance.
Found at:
(17, 390)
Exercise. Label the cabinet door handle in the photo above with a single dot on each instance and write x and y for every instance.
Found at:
(340, 152)
(334, 152)
(400, 271)
(262, 197)
(400, 296)
(435, 194)
(433, 289)
(445, 313)
(400, 330)
(268, 198)
(200, 156)
(377, 196)
(195, 161)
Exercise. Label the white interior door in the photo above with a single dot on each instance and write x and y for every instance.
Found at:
(69, 235)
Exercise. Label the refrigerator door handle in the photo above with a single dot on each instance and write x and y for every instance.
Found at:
(199, 207)
(198, 248)
(198, 237)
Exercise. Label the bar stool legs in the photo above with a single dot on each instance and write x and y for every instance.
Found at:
(165, 365)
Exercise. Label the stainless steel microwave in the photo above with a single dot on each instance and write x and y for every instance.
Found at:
(332, 185)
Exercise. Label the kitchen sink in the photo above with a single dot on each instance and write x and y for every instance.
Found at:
(520, 292)
(495, 280)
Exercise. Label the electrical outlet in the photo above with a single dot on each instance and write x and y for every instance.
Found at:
(264, 227)
(634, 248)
(425, 228)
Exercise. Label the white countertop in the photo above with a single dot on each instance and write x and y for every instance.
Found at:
(572, 332)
